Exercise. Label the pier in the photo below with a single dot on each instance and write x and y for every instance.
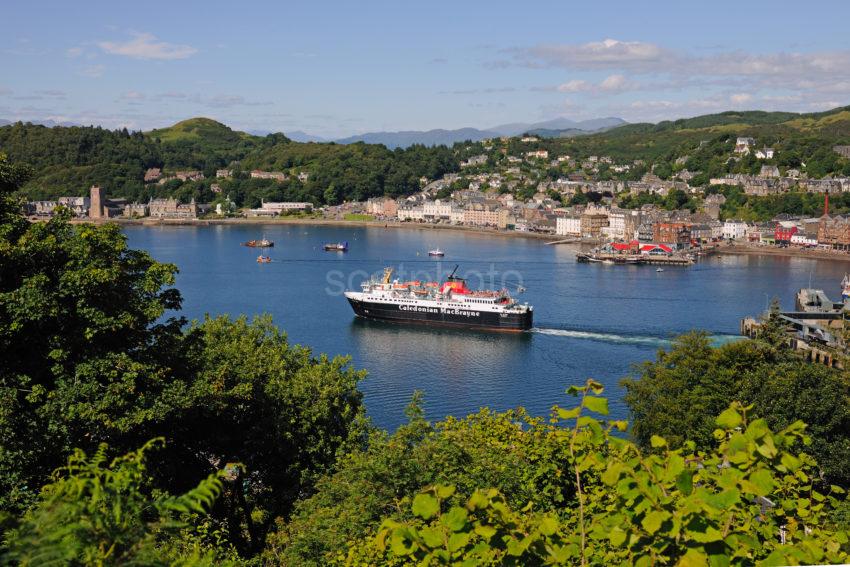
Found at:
(815, 328)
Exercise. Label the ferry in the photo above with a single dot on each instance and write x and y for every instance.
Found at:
(262, 243)
(337, 247)
(449, 304)
(436, 252)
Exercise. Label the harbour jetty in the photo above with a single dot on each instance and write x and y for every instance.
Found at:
(637, 253)
(814, 328)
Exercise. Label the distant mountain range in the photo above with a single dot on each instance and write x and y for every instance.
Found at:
(556, 128)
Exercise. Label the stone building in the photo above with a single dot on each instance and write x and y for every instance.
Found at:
(96, 202)
(834, 232)
(171, 208)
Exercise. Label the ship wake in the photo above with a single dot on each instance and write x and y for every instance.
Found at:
(641, 340)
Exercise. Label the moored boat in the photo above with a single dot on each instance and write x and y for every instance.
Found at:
(450, 304)
(337, 246)
(262, 243)
(436, 252)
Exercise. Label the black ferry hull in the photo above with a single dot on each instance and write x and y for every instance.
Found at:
(444, 317)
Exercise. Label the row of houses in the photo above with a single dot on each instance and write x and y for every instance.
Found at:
(98, 206)
(769, 182)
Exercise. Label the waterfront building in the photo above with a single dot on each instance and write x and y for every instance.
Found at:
(42, 208)
(834, 232)
(673, 233)
(437, 211)
(569, 225)
(411, 212)
(645, 231)
(273, 209)
(592, 222)
(734, 229)
(382, 207)
(135, 210)
(96, 202)
(171, 208)
(481, 214)
(784, 232)
(79, 206)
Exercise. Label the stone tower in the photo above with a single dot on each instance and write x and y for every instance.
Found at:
(96, 209)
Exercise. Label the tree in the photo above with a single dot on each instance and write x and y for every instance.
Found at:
(89, 356)
(674, 395)
(511, 451)
(751, 498)
(97, 512)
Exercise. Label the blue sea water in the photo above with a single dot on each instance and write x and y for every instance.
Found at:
(590, 320)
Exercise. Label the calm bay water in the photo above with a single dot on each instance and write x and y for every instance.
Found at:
(590, 320)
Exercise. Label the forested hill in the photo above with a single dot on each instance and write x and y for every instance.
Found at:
(671, 139)
(68, 160)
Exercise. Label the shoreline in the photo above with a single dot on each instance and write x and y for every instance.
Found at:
(723, 249)
(747, 250)
(323, 222)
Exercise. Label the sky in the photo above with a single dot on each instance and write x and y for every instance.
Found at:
(339, 68)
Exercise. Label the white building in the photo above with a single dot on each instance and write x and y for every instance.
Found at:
(743, 145)
(734, 229)
(568, 226)
(411, 213)
(438, 210)
(272, 209)
(765, 153)
(800, 238)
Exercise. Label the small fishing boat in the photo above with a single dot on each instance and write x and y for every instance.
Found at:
(659, 269)
(263, 259)
(262, 243)
(336, 247)
(436, 252)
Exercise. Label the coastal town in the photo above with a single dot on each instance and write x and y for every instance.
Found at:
(507, 191)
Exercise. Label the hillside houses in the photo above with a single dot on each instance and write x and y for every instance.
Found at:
(276, 175)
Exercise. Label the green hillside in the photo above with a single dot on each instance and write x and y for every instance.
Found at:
(67, 160)
(671, 139)
(200, 129)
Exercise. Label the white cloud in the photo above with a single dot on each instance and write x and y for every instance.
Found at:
(146, 46)
(92, 71)
(574, 86)
(611, 84)
(740, 98)
(614, 83)
(609, 53)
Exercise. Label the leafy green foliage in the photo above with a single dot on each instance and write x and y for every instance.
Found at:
(676, 394)
(512, 452)
(751, 498)
(89, 355)
(96, 512)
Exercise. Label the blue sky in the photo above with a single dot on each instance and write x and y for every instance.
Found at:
(337, 68)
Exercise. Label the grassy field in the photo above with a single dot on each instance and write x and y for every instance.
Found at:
(357, 217)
